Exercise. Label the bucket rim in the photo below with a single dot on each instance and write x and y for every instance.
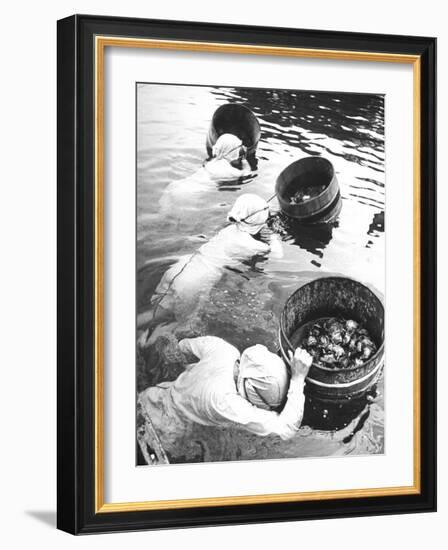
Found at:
(241, 106)
(307, 159)
(327, 369)
(304, 159)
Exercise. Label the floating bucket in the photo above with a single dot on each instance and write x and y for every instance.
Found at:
(310, 172)
(237, 120)
(335, 297)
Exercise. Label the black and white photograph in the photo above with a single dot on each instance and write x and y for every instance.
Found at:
(260, 252)
(223, 220)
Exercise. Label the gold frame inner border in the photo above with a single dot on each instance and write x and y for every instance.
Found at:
(101, 42)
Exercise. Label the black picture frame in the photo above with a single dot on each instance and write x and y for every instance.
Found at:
(76, 256)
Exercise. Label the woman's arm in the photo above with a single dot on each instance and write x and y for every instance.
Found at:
(285, 424)
(291, 416)
(276, 246)
(272, 241)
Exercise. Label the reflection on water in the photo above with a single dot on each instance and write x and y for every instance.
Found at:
(244, 308)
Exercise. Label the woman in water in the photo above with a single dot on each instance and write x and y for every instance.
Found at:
(227, 163)
(248, 393)
(187, 284)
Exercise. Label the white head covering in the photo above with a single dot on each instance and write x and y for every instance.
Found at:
(250, 212)
(263, 378)
(227, 147)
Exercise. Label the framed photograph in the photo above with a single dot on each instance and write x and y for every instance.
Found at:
(246, 274)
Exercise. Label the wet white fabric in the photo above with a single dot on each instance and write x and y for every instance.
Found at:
(206, 393)
(222, 170)
(184, 287)
(250, 212)
(263, 378)
(227, 147)
(187, 284)
(181, 197)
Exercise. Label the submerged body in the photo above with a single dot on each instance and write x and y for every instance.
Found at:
(182, 196)
(187, 284)
(210, 393)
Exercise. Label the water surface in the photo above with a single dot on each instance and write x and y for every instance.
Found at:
(244, 308)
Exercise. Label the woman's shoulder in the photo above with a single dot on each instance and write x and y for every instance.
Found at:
(222, 345)
(222, 169)
(212, 344)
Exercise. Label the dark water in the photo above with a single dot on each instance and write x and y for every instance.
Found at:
(244, 307)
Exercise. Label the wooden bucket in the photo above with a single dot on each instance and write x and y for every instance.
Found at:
(238, 120)
(309, 172)
(334, 297)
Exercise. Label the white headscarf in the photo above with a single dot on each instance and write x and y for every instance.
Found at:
(227, 147)
(263, 378)
(250, 212)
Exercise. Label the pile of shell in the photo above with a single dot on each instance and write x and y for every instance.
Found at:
(306, 192)
(338, 343)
